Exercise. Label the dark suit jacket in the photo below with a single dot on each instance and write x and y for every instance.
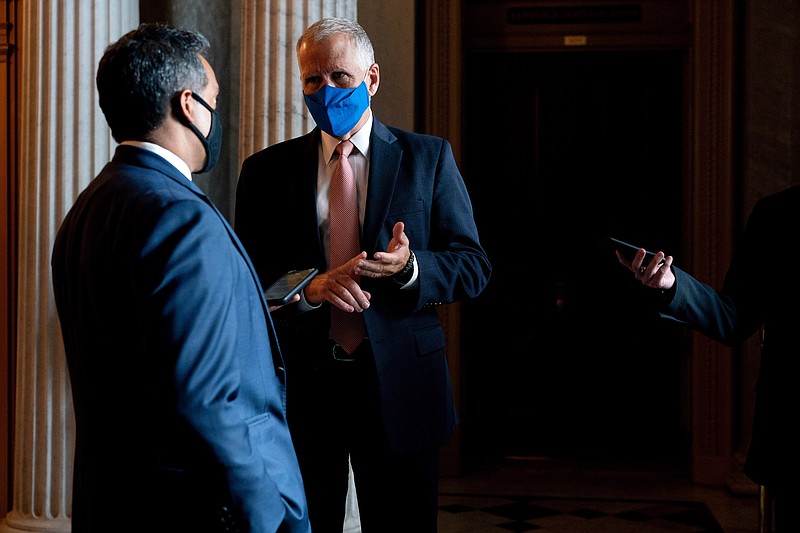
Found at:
(177, 380)
(412, 178)
(760, 290)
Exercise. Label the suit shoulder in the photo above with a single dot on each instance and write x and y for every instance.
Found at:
(140, 184)
(790, 196)
(420, 141)
(411, 136)
(287, 148)
(778, 209)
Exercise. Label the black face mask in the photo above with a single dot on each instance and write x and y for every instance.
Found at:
(213, 143)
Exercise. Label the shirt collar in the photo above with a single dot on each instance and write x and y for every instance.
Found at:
(171, 158)
(360, 140)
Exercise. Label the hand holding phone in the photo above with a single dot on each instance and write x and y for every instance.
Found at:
(629, 250)
(289, 284)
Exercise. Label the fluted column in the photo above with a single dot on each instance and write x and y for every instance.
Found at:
(442, 99)
(712, 156)
(63, 143)
(271, 107)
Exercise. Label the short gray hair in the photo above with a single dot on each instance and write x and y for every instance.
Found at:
(322, 29)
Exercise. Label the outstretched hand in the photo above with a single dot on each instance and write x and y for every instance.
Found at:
(391, 261)
(656, 274)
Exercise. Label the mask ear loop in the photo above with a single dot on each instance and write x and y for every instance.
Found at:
(204, 139)
(195, 129)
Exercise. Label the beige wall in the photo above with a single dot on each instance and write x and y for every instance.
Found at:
(391, 27)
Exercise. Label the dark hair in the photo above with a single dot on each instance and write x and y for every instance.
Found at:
(140, 74)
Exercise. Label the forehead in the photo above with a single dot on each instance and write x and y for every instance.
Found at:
(334, 53)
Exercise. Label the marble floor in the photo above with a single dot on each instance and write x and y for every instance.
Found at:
(546, 495)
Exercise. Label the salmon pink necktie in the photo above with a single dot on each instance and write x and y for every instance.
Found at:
(347, 329)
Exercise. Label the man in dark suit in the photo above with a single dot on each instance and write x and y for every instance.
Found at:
(177, 379)
(387, 403)
(756, 295)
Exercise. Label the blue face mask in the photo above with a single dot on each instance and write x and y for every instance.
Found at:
(336, 111)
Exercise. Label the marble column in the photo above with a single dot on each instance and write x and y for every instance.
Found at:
(63, 143)
(271, 107)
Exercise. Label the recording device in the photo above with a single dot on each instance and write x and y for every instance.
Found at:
(289, 284)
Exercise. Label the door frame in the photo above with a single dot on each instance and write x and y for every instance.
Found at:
(708, 183)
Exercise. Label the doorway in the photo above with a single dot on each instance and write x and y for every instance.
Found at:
(563, 355)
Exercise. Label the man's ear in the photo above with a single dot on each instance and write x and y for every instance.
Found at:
(373, 79)
(181, 106)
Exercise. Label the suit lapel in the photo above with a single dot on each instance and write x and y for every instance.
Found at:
(309, 154)
(384, 165)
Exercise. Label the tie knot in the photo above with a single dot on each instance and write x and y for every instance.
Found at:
(344, 148)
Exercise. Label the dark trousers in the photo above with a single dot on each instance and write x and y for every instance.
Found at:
(334, 415)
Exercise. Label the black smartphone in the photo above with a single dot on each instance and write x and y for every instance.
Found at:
(289, 284)
(629, 250)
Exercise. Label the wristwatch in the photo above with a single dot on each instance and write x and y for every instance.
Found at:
(404, 276)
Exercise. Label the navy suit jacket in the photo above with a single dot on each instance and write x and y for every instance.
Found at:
(759, 291)
(178, 382)
(413, 178)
